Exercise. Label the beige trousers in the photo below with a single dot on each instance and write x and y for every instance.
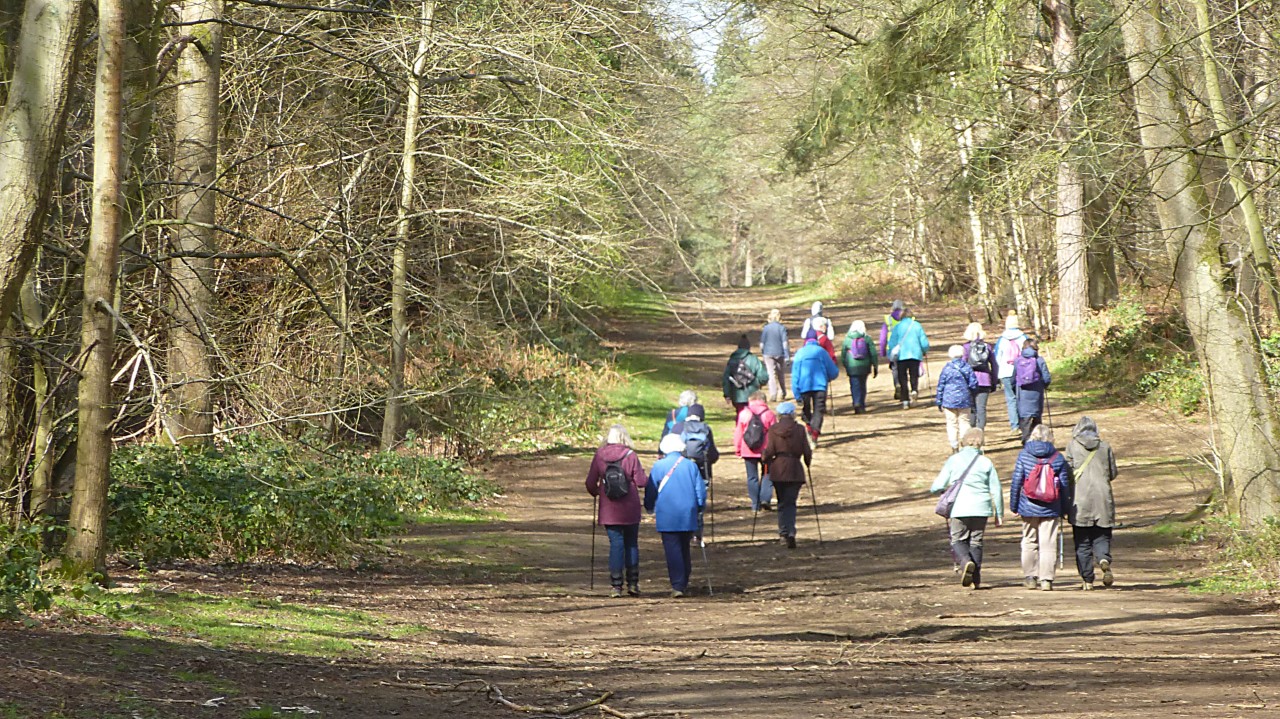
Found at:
(1040, 547)
(777, 382)
(957, 425)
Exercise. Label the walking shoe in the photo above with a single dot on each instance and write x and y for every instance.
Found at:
(615, 592)
(966, 579)
(767, 506)
(791, 542)
(633, 590)
(1086, 586)
(1107, 576)
(906, 405)
(1029, 582)
(676, 594)
(1046, 585)
(914, 395)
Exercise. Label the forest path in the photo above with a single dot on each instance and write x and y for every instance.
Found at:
(872, 622)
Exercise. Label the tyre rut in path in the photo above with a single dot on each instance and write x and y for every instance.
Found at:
(873, 622)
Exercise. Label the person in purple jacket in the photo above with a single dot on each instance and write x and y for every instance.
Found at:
(620, 516)
(891, 319)
(981, 358)
(1041, 521)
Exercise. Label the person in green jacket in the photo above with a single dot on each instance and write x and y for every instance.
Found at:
(859, 358)
(980, 498)
(744, 373)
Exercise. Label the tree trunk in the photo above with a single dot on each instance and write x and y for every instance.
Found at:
(31, 132)
(195, 168)
(400, 258)
(964, 136)
(86, 549)
(1243, 418)
(1225, 123)
(42, 463)
(1073, 271)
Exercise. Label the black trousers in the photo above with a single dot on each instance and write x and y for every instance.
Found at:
(1093, 544)
(1026, 424)
(814, 406)
(908, 373)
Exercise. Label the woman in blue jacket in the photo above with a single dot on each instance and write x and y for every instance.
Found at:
(676, 494)
(1041, 521)
(956, 385)
(908, 346)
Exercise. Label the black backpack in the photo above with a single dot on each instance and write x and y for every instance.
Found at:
(979, 355)
(753, 435)
(616, 483)
(742, 376)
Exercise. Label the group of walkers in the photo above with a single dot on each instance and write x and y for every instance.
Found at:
(777, 450)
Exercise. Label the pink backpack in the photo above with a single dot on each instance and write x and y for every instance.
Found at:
(1042, 484)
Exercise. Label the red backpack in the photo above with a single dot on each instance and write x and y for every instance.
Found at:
(1042, 484)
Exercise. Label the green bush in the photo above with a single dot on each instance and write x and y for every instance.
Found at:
(1135, 356)
(1246, 559)
(22, 583)
(260, 500)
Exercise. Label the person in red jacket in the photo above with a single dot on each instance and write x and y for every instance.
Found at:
(759, 488)
(620, 515)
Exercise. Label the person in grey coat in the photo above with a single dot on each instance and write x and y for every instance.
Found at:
(776, 351)
(1093, 508)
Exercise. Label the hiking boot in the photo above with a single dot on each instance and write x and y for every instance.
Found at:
(966, 579)
(633, 590)
(790, 542)
(1107, 576)
(1086, 586)
(1028, 582)
(615, 592)
(676, 594)
(1046, 585)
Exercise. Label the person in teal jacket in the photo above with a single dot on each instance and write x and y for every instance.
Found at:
(980, 498)
(733, 394)
(908, 346)
(858, 367)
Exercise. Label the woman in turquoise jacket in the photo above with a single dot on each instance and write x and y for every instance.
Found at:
(979, 499)
(908, 345)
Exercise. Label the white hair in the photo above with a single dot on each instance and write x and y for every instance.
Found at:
(974, 332)
(955, 351)
(775, 315)
(820, 324)
(1042, 433)
(858, 326)
(618, 434)
(671, 444)
(687, 398)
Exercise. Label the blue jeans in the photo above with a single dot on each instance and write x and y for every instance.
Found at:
(858, 388)
(679, 560)
(624, 552)
(759, 489)
(1010, 400)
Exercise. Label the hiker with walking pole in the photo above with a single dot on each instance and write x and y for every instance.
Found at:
(749, 432)
(787, 453)
(676, 495)
(1031, 375)
(1040, 494)
(700, 446)
(615, 480)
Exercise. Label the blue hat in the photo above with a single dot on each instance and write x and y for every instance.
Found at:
(786, 408)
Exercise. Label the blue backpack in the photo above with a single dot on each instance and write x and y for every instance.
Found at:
(695, 439)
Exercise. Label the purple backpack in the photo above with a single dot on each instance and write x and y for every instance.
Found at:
(1026, 371)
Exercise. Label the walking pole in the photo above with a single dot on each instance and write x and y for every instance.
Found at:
(595, 519)
(711, 499)
(814, 496)
(706, 563)
(1059, 543)
(760, 485)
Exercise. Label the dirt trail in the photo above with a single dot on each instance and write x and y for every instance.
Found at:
(870, 623)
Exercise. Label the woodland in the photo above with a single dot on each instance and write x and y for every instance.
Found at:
(277, 275)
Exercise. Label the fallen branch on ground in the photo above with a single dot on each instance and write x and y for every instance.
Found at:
(985, 615)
